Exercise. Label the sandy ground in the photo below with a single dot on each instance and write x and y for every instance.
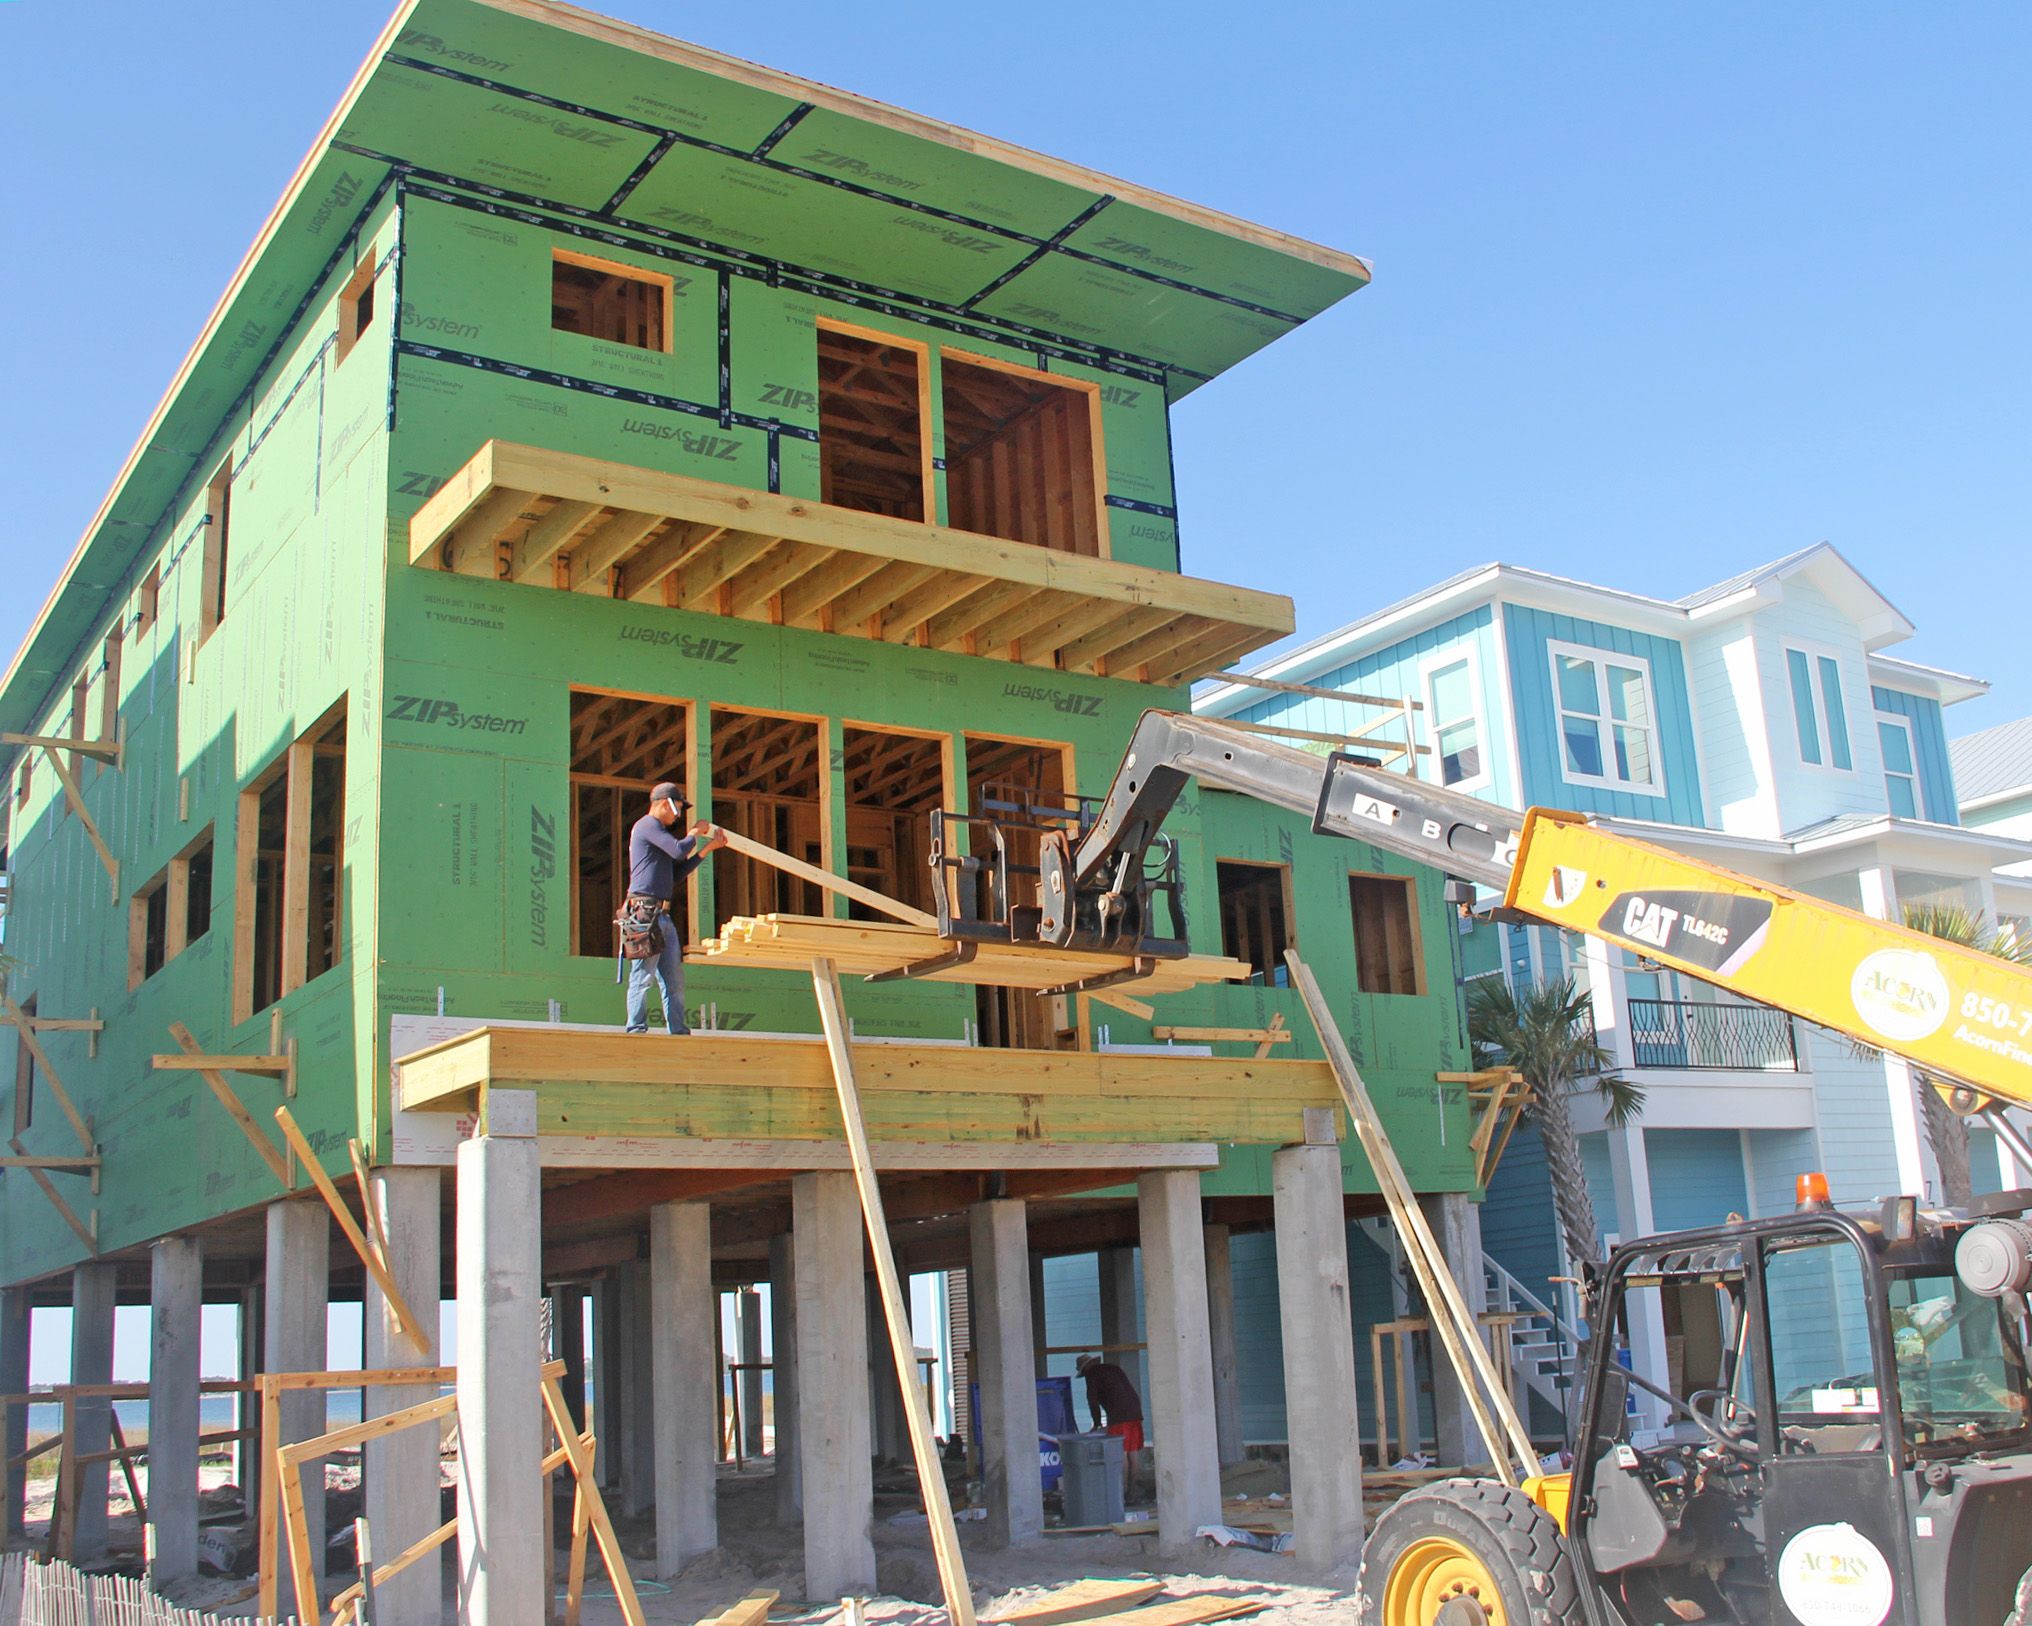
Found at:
(757, 1552)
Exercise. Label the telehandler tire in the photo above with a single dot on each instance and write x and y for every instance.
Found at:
(1466, 1552)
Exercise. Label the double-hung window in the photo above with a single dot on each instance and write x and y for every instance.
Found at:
(1454, 723)
(1608, 719)
(1818, 714)
(1901, 766)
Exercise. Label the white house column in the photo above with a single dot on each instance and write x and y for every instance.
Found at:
(1180, 1402)
(832, 1386)
(176, 1280)
(682, 1383)
(1319, 1355)
(92, 1296)
(1005, 1363)
(1631, 1165)
(399, 1470)
(1917, 1172)
(294, 1302)
(502, 1572)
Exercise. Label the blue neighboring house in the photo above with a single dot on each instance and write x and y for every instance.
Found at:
(1760, 724)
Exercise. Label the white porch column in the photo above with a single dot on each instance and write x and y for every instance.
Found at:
(1917, 1172)
(833, 1444)
(294, 1304)
(682, 1384)
(500, 1287)
(1631, 1164)
(1609, 1001)
(783, 1376)
(176, 1280)
(1456, 1222)
(93, 1288)
(1319, 1355)
(1005, 1361)
(1220, 1287)
(1180, 1401)
(400, 1469)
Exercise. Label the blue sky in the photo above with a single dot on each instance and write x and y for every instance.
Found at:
(1661, 292)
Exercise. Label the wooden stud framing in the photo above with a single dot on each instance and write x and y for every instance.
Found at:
(633, 273)
(1097, 450)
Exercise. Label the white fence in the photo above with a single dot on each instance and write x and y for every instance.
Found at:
(54, 1594)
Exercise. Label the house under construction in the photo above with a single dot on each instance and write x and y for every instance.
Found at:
(595, 410)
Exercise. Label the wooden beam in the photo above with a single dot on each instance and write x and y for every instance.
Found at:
(178, 1063)
(639, 1189)
(1082, 1600)
(109, 751)
(63, 1165)
(1351, 696)
(594, 555)
(236, 1109)
(1267, 1035)
(87, 1234)
(945, 1540)
(471, 548)
(752, 1610)
(55, 1024)
(48, 1074)
(295, 945)
(377, 1266)
(530, 559)
(76, 798)
(747, 847)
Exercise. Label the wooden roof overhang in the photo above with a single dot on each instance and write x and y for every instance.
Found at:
(748, 1089)
(582, 524)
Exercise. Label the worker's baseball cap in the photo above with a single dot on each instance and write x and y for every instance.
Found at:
(667, 792)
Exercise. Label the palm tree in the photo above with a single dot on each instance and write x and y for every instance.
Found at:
(1543, 1032)
(1946, 1129)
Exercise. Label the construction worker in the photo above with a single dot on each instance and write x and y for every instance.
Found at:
(1111, 1395)
(657, 861)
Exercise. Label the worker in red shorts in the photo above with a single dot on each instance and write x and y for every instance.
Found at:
(1111, 1394)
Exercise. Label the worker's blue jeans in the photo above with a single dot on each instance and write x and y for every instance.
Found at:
(668, 970)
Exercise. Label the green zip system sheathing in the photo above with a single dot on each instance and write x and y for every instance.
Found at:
(479, 141)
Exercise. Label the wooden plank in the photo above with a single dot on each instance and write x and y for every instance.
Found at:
(878, 592)
(126, 1460)
(299, 1452)
(805, 602)
(1192, 1611)
(76, 798)
(47, 1074)
(54, 1024)
(575, 1566)
(203, 1063)
(236, 1109)
(752, 1610)
(950, 629)
(347, 1601)
(73, 1164)
(105, 750)
(377, 1235)
(377, 1266)
(69, 1215)
(945, 1540)
(1122, 1002)
(749, 592)
(909, 613)
(296, 1535)
(1083, 1600)
(747, 847)
(1269, 1035)
(596, 1510)
(594, 554)
(1504, 1434)
(1351, 696)
(717, 562)
(1084, 653)
(471, 549)
(296, 867)
(530, 559)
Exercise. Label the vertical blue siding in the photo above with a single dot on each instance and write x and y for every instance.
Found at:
(1519, 1230)
(1601, 1179)
(1697, 1177)
(1393, 671)
(1528, 631)
(1929, 750)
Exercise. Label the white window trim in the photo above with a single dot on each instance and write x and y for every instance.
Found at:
(1813, 653)
(1899, 721)
(1655, 785)
(1436, 662)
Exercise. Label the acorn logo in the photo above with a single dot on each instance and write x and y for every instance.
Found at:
(1900, 993)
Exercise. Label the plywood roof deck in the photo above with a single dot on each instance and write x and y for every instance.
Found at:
(583, 524)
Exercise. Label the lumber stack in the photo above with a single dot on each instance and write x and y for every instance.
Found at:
(863, 948)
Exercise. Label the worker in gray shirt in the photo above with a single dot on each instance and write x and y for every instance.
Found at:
(657, 861)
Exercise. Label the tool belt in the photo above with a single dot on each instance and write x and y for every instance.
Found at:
(641, 926)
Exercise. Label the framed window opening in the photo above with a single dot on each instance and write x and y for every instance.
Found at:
(1818, 712)
(1023, 455)
(109, 688)
(148, 931)
(622, 747)
(604, 299)
(218, 524)
(1901, 766)
(1452, 685)
(892, 780)
(772, 783)
(356, 309)
(288, 895)
(1388, 954)
(1257, 917)
(1608, 719)
(874, 422)
(1027, 785)
(148, 601)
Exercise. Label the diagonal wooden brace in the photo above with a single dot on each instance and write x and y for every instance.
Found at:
(236, 1109)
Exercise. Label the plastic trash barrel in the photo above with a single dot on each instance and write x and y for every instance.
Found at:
(1090, 1478)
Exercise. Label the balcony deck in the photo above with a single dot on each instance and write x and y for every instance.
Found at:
(754, 1088)
(582, 524)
